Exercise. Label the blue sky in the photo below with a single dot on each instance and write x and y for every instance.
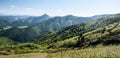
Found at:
(59, 7)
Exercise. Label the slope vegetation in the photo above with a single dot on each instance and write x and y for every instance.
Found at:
(95, 28)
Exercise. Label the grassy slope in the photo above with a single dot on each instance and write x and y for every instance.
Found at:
(31, 55)
(107, 35)
(5, 41)
(75, 30)
(20, 49)
(92, 52)
(99, 52)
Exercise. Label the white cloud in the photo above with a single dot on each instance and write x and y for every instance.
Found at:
(12, 6)
(29, 8)
(59, 10)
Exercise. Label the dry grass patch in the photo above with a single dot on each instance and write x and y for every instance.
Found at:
(100, 52)
(30, 55)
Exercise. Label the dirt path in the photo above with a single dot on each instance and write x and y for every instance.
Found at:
(31, 55)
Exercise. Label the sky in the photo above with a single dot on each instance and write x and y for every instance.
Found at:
(59, 7)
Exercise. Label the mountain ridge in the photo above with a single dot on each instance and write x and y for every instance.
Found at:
(31, 33)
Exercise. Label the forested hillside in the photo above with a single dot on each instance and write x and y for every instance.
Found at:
(4, 24)
(40, 26)
(80, 29)
(108, 35)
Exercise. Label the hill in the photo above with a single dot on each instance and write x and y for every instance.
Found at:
(31, 20)
(31, 33)
(80, 29)
(4, 24)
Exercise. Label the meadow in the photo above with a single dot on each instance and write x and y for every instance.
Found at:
(30, 55)
(91, 52)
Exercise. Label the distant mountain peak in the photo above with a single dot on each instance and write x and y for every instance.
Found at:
(45, 15)
(69, 16)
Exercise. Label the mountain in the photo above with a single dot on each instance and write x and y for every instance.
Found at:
(4, 24)
(108, 35)
(11, 18)
(12, 33)
(51, 25)
(42, 28)
(31, 20)
(24, 20)
(77, 30)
